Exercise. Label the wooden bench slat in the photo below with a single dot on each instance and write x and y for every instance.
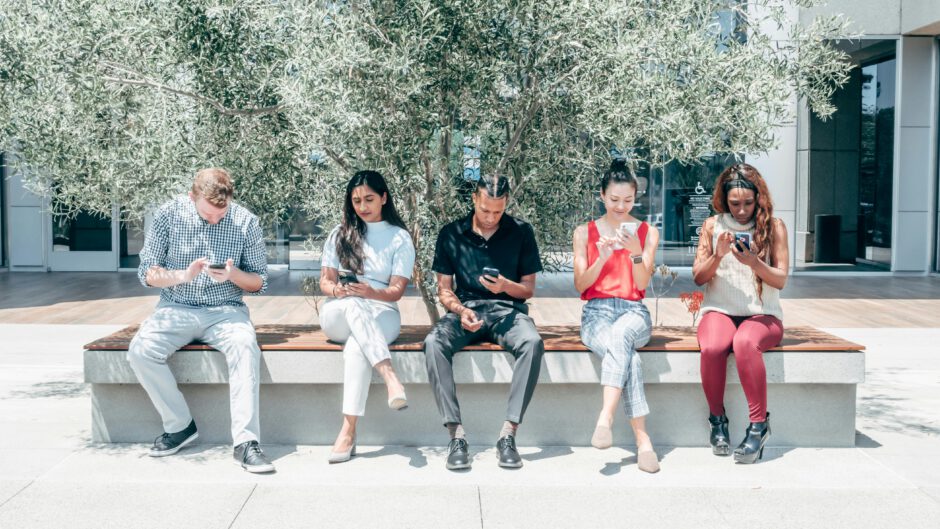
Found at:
(273, 337)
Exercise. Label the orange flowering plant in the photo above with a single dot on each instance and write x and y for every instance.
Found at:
(692, 302)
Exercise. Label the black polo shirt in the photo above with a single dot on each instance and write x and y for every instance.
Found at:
(462, 253)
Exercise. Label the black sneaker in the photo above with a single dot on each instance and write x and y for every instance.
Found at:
(171, 443)
(251, 458)
(507, 453)
(458, 454)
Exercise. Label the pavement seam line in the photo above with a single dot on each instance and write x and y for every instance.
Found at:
(889, 469)
(8, 500)
(240, 509)
(480, 505)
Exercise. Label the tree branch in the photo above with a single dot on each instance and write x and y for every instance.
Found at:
(336, 157)
(517, 135)
(150, 83)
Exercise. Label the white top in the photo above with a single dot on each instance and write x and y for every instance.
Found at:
(387, 251)
(733, 290)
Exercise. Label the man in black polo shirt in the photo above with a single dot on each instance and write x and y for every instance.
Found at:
(486, 264)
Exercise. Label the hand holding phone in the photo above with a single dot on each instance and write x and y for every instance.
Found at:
(629, 228)
(490, 271)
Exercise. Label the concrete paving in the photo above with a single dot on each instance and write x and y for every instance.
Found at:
(51, 475)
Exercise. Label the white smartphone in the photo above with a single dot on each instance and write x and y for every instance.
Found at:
(629, 227)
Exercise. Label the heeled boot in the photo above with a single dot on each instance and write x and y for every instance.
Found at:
(719, 439)
(752, 447)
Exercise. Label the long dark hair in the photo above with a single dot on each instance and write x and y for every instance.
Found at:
(746, 176)
(353, 229)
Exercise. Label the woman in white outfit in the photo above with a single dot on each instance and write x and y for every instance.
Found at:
(366, 265)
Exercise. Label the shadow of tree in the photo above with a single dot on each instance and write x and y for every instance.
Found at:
(56, 389)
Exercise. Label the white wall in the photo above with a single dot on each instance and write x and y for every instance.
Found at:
(915, 155)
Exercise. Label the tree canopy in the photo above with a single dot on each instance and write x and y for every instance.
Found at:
(122, 101)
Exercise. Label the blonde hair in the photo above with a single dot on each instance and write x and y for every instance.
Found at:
(214, 185)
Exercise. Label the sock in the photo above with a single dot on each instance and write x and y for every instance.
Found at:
(509, 428)
(455, 429)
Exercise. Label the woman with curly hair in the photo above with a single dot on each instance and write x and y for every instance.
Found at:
(743, 261)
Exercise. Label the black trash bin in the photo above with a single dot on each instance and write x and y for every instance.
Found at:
(828, 228)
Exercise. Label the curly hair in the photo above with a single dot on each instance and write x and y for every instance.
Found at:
(746, 176)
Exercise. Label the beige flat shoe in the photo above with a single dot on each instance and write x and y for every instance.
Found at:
(603, 437)
(647, 461)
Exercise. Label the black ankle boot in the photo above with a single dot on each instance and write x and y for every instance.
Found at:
(720, 439)
(752, 447)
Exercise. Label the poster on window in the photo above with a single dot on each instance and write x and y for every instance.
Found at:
(699, 209)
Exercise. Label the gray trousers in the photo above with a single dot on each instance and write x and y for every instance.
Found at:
(227, 329)
(503, 323)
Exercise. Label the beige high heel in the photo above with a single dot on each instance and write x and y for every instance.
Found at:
(342, 457)
(398, 402)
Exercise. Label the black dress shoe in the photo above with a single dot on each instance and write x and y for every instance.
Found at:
(251, 458)
(458, 454)
(752, 447)
(507, 453)
(719, 439)
(171, 443)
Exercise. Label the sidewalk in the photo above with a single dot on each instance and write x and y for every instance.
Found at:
(50, 476)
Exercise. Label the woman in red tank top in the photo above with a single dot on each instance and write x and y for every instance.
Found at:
(613, 263)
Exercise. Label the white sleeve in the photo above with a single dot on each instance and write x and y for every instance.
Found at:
(403, 262)
(329, 258)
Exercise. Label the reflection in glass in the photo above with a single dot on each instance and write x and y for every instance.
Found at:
(85, 232)
(876, 162)
(132, 241)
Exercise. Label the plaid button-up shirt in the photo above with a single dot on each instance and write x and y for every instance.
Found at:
(179, 236)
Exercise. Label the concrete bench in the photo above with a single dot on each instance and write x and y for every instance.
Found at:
(812, 379)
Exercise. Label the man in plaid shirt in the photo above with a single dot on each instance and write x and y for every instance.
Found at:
(204, 251)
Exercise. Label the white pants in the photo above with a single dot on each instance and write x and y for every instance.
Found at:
(227, 329)
(366, 327)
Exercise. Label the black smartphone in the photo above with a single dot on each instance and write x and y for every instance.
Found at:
(490, 271)
(217, 266)
(346, 278)
(742, 240)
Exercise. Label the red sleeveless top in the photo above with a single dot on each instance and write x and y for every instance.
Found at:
(616, 278)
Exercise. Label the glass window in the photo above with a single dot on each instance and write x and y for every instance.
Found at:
(680, 202)
(83, 233)
(876, 162)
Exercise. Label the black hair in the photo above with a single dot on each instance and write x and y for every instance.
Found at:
(618, 173)
(495, 187)
(353, 229)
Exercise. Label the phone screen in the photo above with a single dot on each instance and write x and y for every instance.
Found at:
(217, 266)
(742, 240)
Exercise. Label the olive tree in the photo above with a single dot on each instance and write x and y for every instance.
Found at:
(120, 102)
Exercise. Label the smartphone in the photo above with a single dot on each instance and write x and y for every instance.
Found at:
(490, 271)
(346, 278)
(742, 240)
(629, 227)
(217, 266)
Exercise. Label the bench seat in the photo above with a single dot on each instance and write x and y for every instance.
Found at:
(812, 378)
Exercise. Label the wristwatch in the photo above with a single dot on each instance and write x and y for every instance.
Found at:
(637, 259)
